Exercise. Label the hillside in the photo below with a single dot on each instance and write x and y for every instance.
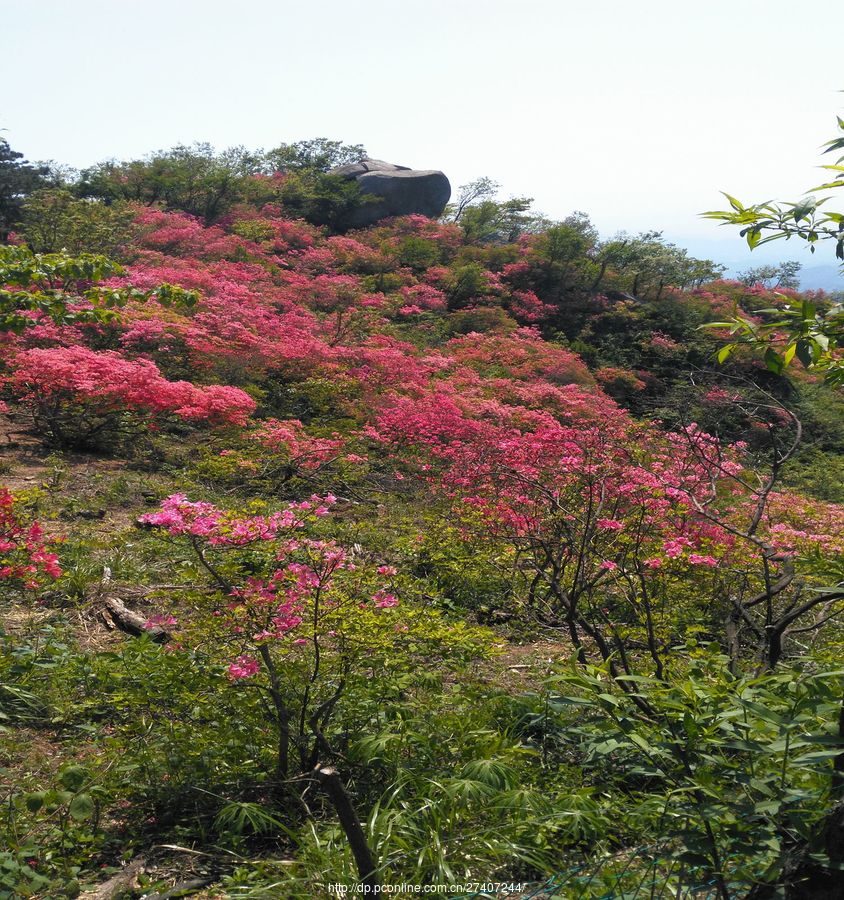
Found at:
(432, 552)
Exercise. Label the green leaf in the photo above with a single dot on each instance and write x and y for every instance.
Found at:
(73, 777)
(641, 743)
(817, 756)
(763, 788)
(773, 361)
(753, 236)
(609, 698)
(804, 353)
(767, 807)
(833, 740)
(81, 807)
(35, 801)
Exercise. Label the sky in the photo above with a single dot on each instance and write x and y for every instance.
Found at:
(637, 113)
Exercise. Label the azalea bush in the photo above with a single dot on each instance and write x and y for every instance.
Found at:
(27, 557)
(287, 601)
(608, 530)
(300, 617)
(77, 397)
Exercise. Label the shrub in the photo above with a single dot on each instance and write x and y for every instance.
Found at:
(79, 398)
(25, 560)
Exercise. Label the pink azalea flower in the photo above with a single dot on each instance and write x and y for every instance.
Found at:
(243, 667)
(697, 560)
(609, 524)
(383, 600)
(159, 621)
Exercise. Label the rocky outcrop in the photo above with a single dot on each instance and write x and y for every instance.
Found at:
(396, 191)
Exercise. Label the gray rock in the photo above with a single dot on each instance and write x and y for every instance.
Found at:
(400, 191)
(354, 170)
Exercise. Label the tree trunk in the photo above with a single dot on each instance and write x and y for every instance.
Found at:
(600, 277)
(731, 630)
(282, 714)
(347, 814)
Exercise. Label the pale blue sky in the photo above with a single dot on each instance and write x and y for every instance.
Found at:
(636, 112)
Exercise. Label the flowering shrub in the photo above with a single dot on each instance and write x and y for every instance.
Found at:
(25, 560)
(620, 384)
(663, 344)
(423, 297)
(610, 523)
(305, 452)
(522, 355)
(77, 396)
(295, 610)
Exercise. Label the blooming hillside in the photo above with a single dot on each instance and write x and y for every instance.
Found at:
(379, 461)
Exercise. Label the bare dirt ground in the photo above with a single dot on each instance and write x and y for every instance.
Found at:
(26, 464)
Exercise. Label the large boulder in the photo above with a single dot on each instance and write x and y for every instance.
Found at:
(355, 170)
(397, 191)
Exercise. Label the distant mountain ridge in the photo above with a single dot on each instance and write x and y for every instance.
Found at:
(828, 278)
(733, 253)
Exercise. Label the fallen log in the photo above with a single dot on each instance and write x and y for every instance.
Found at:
(132, 622)
(182, 889)
(118, 884)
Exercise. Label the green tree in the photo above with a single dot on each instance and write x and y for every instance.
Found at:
(464, 284)
(18, 178)
(646, 264)
(565, 250)
(193, 179)
(477, 191)
(498, 222)
(487, 220)
(320, 198)
(52, 219)
(318, 154)
(784, 275)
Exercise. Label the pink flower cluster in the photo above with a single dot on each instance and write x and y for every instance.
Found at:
(290, 604)
(307, 452)
(159, 621)
(24, 558)
(243, 667)
(178, 515)
(109, 382)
